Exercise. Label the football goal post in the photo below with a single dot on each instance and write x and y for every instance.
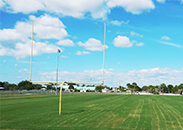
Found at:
(61, 82)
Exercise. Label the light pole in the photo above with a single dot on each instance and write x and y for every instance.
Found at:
(58, 51)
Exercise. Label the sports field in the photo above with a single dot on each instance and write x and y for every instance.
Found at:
(92, 111)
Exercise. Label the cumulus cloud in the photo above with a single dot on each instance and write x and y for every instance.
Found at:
(26, 6)
(80, 76)
(118, 23)
(14, 34)
(140, 44)
(133, 6)
(82, 53)
(22, 50)
(79, 8)
(45, 27)
(66, 42)
(161, 1)
(67, 8)
(154, 76)
(135, 34)
(1, 3)
(78, 53)
(165, 38)
(122, 41)
(93, 45)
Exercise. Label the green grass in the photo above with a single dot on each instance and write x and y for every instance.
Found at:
(20, 94)
(93, 111)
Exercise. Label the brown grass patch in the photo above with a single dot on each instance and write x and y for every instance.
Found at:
(91, 105)
(117, 122)
(134, 115)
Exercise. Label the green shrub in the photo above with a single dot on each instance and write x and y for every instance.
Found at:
(154, 92)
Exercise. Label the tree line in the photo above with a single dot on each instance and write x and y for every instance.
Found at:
(133, 87)
(157, 88)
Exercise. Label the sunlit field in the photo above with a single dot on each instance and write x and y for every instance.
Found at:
(92, 111)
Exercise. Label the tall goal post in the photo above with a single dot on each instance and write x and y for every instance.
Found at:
(31, 51)
(62, 83)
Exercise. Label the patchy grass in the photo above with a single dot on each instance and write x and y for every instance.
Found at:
(92, 111)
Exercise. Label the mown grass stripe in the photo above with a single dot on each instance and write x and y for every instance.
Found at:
(108, 112)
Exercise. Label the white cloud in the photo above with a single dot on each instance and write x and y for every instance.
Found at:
(45, 27)
(64, 56)
(67, 8)
(11, 34)
(161, 1)
(86, 52)
(140, 44)
(26, 6)
(16, 65)
(4, 60)
(78, 8)
(135, 34)
(78, 53)
(1, 3)
(165, 38)
(82, 53)
(133, 6)
(22, 50)
(65, 42)
(81, 76)
(122, 41)
(118, 23)
(154, 76)
(171, 44)
(23, 70)
(93, 45)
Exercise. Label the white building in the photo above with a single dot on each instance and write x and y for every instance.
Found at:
(105, 90)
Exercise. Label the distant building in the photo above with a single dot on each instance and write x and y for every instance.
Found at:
(105, 90)
(2, 88)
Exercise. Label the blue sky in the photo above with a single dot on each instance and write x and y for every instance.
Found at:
(144, 42)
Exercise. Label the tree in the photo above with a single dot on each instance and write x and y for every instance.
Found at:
(6, 86)
(170, 87)
(99, 88)
(137, 88)
(37, 86)
(175, 89)
(163, 86)
(180, 86)
(121, 88)
(49, 86)
(129, 85)
(23, 84)
(71, 87)
(15, 87)
(144, 88)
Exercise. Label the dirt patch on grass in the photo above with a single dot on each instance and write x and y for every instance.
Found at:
(134, 115)
(91, 105)
(117, 122)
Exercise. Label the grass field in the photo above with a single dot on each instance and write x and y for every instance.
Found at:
(92, 111)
